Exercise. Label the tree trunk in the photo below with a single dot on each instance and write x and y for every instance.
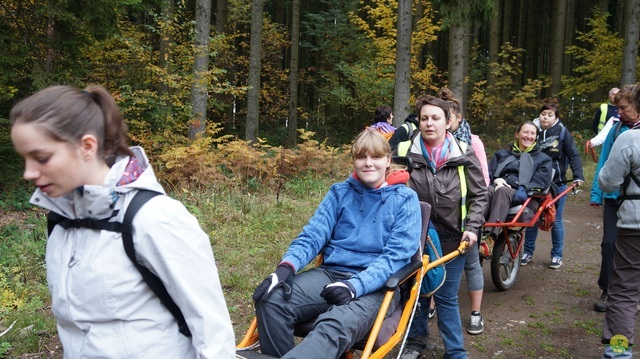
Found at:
(568, 36)
(420, 55)
(166, 38)
(222, 12)
(165, 49)
(199, 92)
(255, 51)
(467, 39)
(403, 63)
(522, 24)
(630, 51)
(292, 131)
(494, 38)
(620, 11)
(507, 15)
(51, 35)
(557, 45)
(530, 42)
(456, 58)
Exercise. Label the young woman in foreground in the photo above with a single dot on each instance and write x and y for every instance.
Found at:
(74, 144)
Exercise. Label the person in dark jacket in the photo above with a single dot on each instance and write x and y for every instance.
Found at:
(605, 111)
(440, 165)
(556, 141)
(404, 132)
(515, 173)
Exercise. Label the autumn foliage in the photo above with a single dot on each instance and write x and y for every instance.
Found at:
(226, 162)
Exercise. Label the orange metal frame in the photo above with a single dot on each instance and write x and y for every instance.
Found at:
(250, 339)
(547, 201)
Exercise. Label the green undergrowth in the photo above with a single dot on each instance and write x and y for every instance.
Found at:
(24, 299)
(249, 232)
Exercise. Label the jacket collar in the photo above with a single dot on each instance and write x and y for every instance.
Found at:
(99, 201)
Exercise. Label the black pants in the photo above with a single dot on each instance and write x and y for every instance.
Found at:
(608, 249)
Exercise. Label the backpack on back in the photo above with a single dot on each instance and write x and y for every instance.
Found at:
(435, 277)
(126, 229)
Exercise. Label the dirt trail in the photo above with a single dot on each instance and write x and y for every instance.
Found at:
(548, 313)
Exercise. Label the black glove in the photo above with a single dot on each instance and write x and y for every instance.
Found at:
(519, 197)
(282, 277)
(338, 293)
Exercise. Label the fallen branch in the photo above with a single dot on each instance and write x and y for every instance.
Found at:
(8, 329)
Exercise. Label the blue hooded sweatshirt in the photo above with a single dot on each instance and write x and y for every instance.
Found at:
(370, 232)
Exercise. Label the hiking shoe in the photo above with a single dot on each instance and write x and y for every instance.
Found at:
(476, 323)
(486, 246)
(525, 259)
(556, 263)
(601, 304)
(410, 354)
(432, 312)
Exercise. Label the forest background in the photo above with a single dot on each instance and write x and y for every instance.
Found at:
(242, 103)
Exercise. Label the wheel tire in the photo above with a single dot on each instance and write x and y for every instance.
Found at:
(504, 269)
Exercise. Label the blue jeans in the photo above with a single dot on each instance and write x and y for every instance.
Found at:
(557, 232)
(449, 322)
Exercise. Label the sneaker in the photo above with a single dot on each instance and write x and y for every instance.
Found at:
(525, 259)
(601, 304)
(476, 323)
(432, 312)
(410, 354)
(556, 263)
(486, 246)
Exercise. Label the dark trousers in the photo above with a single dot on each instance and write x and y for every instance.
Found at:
(499, 204)
(608, 249)
(336, 328)
(624, 287)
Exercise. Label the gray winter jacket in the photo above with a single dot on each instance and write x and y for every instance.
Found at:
(625, 159)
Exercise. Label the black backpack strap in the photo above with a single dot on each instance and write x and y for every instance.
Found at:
(126, 229)
(151, 279)
(623, 189)
(53, 219)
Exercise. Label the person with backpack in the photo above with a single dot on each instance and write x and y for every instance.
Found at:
(367, 228)
(606, 201)
(74, 145)
(622, 172)
(382, 120)
(555, 141)
(450, 179)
